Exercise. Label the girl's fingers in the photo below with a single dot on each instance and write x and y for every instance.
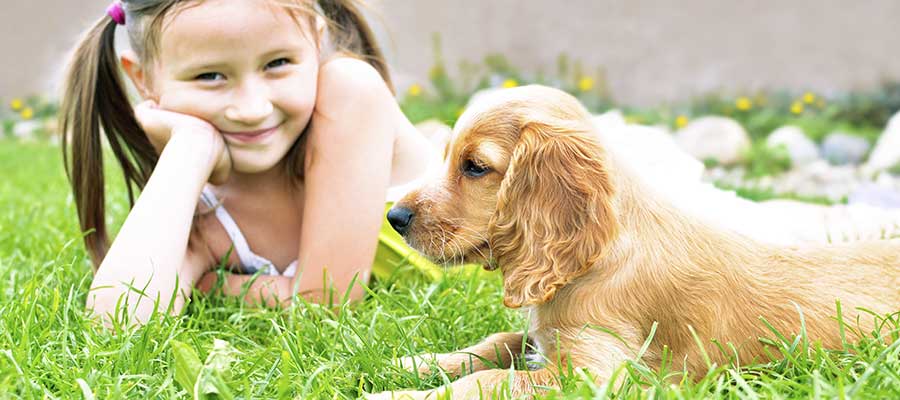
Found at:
(160, 124)
(154, 123)
(222, 170)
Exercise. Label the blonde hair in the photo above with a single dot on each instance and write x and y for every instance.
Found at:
(95, 100)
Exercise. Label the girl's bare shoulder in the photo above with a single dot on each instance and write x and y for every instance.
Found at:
(346, 83)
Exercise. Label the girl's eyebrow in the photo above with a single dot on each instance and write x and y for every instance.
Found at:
(202, 65)
(281, 50)
(194, 67)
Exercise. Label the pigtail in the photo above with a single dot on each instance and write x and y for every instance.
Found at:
(94, 98)
(351, 32)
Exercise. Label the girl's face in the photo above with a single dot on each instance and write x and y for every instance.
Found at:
(248, 68)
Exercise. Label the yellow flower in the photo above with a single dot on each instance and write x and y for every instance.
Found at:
(681, 121)
(415, 90)
(809, 98)
(510, 83)
(743, 103)
(797, 107)
(27, 113)
(17, 104)
(585, 84)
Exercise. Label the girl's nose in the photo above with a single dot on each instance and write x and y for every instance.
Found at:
(249, 108)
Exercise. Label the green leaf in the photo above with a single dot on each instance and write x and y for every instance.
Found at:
(187, 365)
(220, 358)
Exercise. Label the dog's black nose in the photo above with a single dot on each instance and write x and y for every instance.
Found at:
(400, 218)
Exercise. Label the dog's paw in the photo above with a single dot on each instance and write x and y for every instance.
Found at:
(400, 395)
(423, 364)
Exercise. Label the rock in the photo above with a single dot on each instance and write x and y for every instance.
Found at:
(437, 132)
(801, 149)
(27, 129)
(875, 195)
(648, 150)
(841, 148)
(718, 138)
(612, 119)
(818, 179)
(480, 94)
(886, 153)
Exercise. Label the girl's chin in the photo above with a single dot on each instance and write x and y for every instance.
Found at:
(253, 168)
(258, 160)
(246, 163)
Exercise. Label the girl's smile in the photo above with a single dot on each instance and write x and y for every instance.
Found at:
(249, 137)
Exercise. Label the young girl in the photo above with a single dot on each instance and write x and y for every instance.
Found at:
(268, 138)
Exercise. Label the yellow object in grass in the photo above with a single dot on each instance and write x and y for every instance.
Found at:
(585, 84)
(392, 253)
(415, 90)
(809, 98)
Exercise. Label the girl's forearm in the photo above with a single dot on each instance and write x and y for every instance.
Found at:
(144, 263)
(269, 291)
(262, 290)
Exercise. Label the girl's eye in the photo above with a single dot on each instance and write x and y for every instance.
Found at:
(278, 63)
(210, 76)
(474, 170)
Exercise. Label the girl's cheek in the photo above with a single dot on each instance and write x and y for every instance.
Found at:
(296, 97)
(194, 103)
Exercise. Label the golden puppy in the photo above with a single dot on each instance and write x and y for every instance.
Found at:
(529, 188)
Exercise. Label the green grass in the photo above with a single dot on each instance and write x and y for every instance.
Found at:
(49, 349)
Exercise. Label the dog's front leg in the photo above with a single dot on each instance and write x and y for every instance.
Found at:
(496, 351)
(600, 357)
(485, 384)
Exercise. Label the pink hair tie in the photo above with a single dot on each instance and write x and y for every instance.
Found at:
(116, 12)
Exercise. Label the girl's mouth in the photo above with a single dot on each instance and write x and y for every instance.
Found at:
(251, 136)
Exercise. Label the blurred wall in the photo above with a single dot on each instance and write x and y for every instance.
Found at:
(652, 51)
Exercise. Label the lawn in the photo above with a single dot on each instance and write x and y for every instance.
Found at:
(49, 349)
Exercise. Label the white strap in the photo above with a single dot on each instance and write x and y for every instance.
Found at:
(249, 260)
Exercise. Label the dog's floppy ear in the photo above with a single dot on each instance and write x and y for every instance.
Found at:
(554, 216)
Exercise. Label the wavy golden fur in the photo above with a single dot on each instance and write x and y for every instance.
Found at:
(584, 243)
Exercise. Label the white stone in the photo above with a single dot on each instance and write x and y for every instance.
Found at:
(843, 148)
(437, 132)
(718, 138)
(26, 129)
(477, 96)
(801, 149)
(612, 119)
(650, 151)
(887, 150)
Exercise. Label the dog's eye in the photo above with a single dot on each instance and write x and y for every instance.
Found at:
(473, 169)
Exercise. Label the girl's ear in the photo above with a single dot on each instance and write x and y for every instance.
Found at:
(135, 71)
(320, 31)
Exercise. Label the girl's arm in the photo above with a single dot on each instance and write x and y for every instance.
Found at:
(149, 264)
(264, 290)
(348, 169)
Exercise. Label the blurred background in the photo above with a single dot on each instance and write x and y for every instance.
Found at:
(649, 51)
(776, 98)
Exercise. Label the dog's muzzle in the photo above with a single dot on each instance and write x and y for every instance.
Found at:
(401, 219)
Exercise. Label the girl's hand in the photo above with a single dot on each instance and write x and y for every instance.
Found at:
(160, 125)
